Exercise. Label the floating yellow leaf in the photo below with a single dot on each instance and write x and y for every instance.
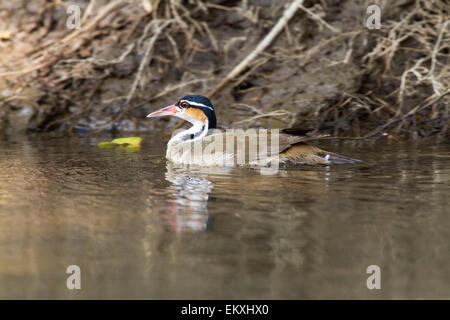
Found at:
(105, 145)
(133, 142)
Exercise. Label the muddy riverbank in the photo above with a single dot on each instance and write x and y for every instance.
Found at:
(326, 70)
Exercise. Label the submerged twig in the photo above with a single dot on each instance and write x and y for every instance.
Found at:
(399, 118)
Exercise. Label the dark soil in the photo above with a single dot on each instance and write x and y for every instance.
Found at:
(352, 81)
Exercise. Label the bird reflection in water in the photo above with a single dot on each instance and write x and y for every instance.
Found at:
(189, 210)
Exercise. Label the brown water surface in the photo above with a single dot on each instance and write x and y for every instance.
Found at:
(140, 228)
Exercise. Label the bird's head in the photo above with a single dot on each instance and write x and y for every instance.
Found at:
(196, 109)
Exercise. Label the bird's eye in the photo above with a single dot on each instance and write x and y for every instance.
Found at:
(184, 104)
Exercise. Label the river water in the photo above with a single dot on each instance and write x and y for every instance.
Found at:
(140, 228)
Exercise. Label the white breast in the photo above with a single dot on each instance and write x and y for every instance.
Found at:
(223, 149)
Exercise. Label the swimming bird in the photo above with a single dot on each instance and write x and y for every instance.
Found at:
(287, 146)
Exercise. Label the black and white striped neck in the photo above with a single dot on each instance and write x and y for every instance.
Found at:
(197, 131)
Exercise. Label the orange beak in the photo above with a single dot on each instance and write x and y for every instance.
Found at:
(167, 111)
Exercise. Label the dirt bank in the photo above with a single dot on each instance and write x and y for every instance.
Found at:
(325, 70)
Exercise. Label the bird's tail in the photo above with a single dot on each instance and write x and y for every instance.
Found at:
(307, 154)
(334, 158)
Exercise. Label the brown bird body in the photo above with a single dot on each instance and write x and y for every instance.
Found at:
(238, 144)
(202, 145)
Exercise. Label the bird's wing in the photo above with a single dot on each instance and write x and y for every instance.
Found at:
(288, 138)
